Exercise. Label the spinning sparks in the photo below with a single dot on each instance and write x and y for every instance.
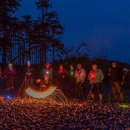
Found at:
(43, 94)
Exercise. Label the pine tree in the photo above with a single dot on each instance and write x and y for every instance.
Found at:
(49, 29)
(7, 8)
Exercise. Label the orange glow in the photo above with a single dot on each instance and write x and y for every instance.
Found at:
(1, 98)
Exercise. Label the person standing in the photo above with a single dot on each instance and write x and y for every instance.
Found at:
(71, 70)
(61, 78)
(71, 79)
(95, 77)
(9, 76)
(116, 78)
(47, 71)
(80, 77)
(45, 80)
(29, 74)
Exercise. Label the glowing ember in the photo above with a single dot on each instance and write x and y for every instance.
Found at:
(1, 98)
(43, 94)
(31, 113)
(124, 106)
(80, 105)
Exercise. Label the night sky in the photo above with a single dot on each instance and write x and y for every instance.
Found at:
(104, 24)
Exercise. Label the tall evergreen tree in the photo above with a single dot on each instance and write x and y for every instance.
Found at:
(7, 8)
(49, 28)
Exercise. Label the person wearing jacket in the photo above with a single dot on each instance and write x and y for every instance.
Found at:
(29, 74)
(62, 78)
(116, 78)
(80, 77)
(9, 76)
(47, 71)
(96, 77)
(71, 80)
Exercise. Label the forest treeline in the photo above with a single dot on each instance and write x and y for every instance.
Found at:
(23, 39)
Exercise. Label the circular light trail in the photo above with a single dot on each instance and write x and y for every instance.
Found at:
(36, 94)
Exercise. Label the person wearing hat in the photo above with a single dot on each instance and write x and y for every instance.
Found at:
(9, 74)
(95, 78)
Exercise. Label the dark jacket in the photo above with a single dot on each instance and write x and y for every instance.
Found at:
(9, 74)
(116, 74)
(29, 72)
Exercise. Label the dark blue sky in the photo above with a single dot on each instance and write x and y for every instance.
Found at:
(104, 24)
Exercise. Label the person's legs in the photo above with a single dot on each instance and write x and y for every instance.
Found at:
(12, 83)
(79, 90)
(120, 95)
(99, 88)
(113, 89)
(76, 90)
(8, 84)
(72, 89)
(91, 92)
(83, 91)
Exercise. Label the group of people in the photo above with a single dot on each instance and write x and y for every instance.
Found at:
(75, 78)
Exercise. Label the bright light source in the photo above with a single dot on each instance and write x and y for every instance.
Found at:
(124, 105)
(47, 72)
(8, 97)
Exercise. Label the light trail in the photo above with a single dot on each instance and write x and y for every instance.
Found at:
(36, 94)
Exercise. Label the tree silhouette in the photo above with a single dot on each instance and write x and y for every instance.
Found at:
(78, 51)
(26, 39)
(49, 27)
(7, 8)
